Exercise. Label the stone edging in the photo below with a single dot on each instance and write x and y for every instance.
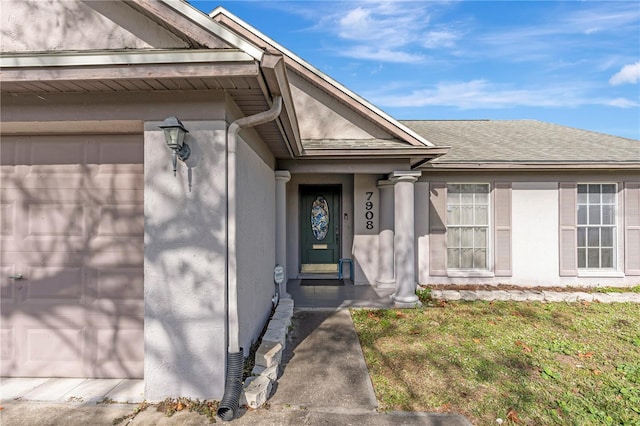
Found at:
(257, 388)
(530, 295)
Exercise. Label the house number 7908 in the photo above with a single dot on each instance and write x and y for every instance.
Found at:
(368, 214)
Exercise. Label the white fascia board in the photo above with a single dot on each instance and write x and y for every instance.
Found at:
(206, 22)
(320, 74)
(122, 58)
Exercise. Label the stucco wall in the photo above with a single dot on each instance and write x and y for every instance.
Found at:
(185, 264)
(255, 245)
(534, 228)
(77, 25)
(366, 220)
(320, 116)
(535, 232)
(293, 217)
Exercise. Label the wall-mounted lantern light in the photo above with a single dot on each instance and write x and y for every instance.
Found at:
(174, 134)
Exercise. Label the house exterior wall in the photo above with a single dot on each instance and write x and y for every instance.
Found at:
(366, 228)
(535, 253)
(75, 25)
(185, 264)
(294, 217)
(255, 245)
(321, 117)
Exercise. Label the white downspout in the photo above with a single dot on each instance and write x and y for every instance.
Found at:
(232, 265)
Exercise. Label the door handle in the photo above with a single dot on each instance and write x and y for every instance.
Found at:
(16, 276)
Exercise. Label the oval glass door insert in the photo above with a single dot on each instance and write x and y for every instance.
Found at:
(320, 218)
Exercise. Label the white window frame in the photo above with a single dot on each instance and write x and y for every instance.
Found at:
(586, 269)
(489, 233)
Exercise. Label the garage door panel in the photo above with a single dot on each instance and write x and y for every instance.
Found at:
(7, 285)
(54, 285)
(55, 347)
(119, 350)
(72, 222)
(121, 220)
(120, 284)
(7, 352)
(7, 218)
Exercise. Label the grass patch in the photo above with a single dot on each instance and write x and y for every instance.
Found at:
(526, 363)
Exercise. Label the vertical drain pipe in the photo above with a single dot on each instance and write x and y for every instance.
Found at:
(235, 356)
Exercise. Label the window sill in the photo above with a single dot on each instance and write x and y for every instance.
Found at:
(470, 274)
(600, 273)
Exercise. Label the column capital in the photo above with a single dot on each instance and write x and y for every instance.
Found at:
(284, 175)
(383, 184)
(405, 176)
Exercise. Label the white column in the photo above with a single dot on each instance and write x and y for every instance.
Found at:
(282, 177)
(386, 273)
(404, 242)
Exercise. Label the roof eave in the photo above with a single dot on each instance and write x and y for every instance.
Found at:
(429, 153)
(529, 166)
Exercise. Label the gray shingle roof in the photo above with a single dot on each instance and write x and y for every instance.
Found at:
(523, 141)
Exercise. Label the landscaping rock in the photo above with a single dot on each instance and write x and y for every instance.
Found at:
(468, 295)
(277, 324)
(584, 297)
(284, 316)
(436, 294)
(269, 353)
(554, 296)
(270, 372)
(450, 295)
(616, 297)
(256, 391)
(537, 296)
(517, 295)
(275, 335)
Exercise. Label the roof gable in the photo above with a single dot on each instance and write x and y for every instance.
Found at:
(326, 110)
(78, 26)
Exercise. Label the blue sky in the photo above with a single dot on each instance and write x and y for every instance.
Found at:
(572, 63)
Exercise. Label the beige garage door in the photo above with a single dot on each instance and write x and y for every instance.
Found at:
(72, 225)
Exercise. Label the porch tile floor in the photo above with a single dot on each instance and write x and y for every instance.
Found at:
(72, 390)
(346, 296)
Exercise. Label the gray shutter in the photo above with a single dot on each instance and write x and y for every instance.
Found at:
(567, 193)
(632, 228)
(438, 228)
(502, 232)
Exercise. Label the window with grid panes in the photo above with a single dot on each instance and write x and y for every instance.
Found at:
(596, 225)
(467, 226)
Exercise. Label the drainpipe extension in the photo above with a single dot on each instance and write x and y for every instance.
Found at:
(235, 355)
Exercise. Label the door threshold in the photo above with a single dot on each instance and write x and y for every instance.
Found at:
(317, 276)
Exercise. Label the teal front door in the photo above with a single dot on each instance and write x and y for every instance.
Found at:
(319, 228)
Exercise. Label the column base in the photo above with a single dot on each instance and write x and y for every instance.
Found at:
(385, 283)
(406, 302)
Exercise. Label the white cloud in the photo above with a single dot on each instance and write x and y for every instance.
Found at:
(383, 55)
(385, 31)
(623, 103)
(477, 94)
(628, 74)
(436, 39)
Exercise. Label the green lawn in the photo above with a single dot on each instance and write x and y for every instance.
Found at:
(525, 363)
